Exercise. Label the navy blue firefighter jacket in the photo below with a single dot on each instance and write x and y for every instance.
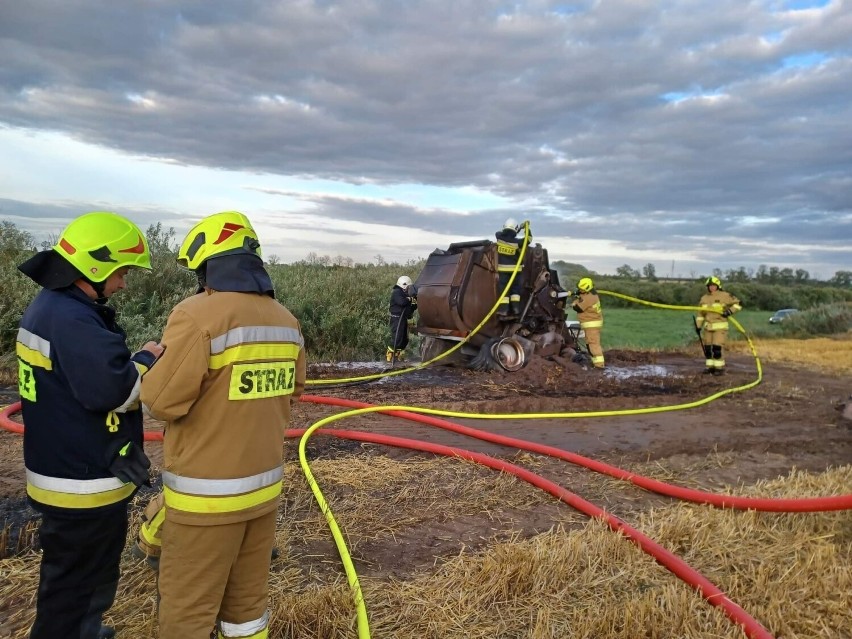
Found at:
(79, 387)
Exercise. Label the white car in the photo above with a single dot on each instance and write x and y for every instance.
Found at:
(783, 314)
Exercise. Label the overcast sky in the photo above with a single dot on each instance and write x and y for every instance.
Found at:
(690, 134)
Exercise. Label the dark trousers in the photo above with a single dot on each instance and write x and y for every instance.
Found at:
(514, 291)
(399, 332)
(79, 573)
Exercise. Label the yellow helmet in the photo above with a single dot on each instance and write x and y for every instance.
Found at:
(221, 234)
(585, 285)
(713, 280)
(98, 244)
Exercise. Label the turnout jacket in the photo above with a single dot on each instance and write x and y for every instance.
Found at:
(588, 307)
(79, 387)
(508, 245)
(232, 365)
(715, 303)
(402, 304)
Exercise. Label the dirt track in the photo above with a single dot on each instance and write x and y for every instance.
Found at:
(789, 421)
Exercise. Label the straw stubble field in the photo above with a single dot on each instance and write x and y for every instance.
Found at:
(446, 548)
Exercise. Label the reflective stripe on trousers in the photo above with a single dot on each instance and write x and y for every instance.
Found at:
(256, 629)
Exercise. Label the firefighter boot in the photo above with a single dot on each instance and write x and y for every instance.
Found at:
(503, 308)
(389, 354)
(400, 355)
(153, 561)
(91, 625)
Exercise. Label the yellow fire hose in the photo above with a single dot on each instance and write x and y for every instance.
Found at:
(351, 574)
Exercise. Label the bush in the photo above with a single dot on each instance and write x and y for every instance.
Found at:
(144, 306)
(828, 319)
(343, 311)
(15, 247)
(753, 296)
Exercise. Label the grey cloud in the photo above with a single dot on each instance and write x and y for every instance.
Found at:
(53, 218)
(558, 107)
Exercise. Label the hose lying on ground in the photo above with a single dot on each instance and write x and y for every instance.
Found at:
(671, 561)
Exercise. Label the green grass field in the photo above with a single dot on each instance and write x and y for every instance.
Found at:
(659, 329)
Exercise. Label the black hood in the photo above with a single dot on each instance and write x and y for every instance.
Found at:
(50, 270)
(240, 273)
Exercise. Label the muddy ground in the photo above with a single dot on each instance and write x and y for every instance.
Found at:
(788, 421)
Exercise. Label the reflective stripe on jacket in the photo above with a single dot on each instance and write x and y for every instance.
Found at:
(233, 363)
(77, 493)
(508, 250)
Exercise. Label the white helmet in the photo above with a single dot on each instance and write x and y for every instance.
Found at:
(512, 223)
(403, 282)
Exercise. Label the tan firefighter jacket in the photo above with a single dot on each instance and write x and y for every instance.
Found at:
(232, 365)
(715, 303)
(588, 307)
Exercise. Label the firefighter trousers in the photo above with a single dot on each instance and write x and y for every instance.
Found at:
(593, 341)
(215, 576)
(399, 332)
(79, 572)
(713, 343)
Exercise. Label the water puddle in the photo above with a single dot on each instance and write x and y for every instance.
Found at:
(643, 370)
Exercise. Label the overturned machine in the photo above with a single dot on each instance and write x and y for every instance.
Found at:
(459, 286)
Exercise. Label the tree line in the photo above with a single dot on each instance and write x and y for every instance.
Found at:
(763, 274)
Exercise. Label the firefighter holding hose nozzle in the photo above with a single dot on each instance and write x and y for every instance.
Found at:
(403, 303)
(587, 304)
(717, 306)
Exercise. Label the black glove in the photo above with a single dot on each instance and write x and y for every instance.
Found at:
(727, 313)
(131, 465)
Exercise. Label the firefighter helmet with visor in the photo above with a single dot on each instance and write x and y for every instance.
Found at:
(99, 243)
(713, 280)
(226, 233)
(585, 285)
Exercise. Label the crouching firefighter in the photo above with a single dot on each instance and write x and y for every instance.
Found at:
(234, 361)
(79, 387)
(716, 307)
(403, 303)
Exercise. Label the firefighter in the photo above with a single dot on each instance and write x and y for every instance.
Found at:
(588, 306)
(403, 303)
(719, 305)
(79, 387)
(508, 250)
(233, 363)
